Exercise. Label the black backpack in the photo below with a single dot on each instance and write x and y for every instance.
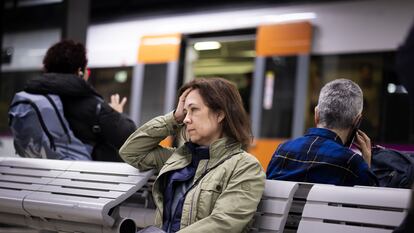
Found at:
(392, 168)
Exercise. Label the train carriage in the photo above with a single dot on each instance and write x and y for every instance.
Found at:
(278, 56)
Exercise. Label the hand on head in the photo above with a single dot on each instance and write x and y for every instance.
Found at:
(179, 114)
(116, 104)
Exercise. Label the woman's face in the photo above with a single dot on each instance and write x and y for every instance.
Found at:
(203, 126)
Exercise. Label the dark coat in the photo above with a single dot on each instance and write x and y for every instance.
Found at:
(80, 102)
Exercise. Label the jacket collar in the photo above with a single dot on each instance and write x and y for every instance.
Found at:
(325, 133)
(222, 148)
(218, 150)
(60, 84)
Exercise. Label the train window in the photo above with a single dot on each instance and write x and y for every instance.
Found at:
(10, 83)
(108, 81)
(278, 97)
(385, 120)
(230, 57)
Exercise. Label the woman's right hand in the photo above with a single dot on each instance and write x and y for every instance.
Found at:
(179, 114)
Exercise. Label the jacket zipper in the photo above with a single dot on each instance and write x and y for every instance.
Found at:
(192, 199)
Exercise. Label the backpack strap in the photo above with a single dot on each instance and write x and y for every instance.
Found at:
(64, 127)
(206, 172)
(96, 127)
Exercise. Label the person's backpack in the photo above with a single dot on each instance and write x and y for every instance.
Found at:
(392, 168)
(40, 129)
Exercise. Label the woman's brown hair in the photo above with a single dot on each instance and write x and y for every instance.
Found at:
(221, 95)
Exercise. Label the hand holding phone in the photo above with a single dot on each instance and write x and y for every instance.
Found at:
(364, 145)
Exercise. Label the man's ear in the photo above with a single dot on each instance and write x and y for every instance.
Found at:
(357, 119)
(316, 116)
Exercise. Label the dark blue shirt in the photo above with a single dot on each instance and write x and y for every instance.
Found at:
(178, 183)
(319, 157)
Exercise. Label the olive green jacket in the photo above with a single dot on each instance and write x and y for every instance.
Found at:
(224, 200)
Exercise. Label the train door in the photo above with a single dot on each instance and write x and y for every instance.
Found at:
(280, 85)
(269, 67)
(155, 78)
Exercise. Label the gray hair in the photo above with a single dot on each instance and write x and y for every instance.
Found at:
(340, 101)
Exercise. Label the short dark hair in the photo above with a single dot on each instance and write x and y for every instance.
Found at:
(66, 57)
(222, 95)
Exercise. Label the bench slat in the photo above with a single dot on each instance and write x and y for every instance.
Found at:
(100, 178)
(273, 206)
(26, 179)
(361, 196)
(319, 227)
(105, 167)
(356, 215)
(20, 186)
(11, 200)
(80, 192)
(65, 182)
(275, 188)
(33, 163)
(66, 207)
(30, 172)
(272, 223)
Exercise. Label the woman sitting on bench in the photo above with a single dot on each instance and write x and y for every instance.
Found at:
(210, 184)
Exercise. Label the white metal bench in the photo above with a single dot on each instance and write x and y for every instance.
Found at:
(353, 209)
(273, 209)
(78, 196)
(70, 196)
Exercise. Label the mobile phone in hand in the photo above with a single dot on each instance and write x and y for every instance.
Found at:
(353, 133)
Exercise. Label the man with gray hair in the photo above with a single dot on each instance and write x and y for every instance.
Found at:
(322, 155)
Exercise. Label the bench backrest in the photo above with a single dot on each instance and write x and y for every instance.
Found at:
(274, 207)
(340, 209)
(75, 191)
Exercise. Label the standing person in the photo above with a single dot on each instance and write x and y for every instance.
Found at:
(64, 75)
(323, 155)
(210, 184)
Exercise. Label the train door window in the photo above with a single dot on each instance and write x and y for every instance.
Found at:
(278, 97)
(384, 118)
(109, 81)
(230, 57)
(153, 91)
(10, 83)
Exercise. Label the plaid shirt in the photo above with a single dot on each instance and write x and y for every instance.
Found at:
(319, 157)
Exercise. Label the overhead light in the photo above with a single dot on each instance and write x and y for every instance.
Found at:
(121, 76)
(207, 45)
(398, 89)
(290, 17)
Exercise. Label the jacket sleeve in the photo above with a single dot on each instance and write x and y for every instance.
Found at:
(141, 149)
(115, 127)
(364, 174)
(237, 204)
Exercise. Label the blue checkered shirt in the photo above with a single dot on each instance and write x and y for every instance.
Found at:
(319, 157)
